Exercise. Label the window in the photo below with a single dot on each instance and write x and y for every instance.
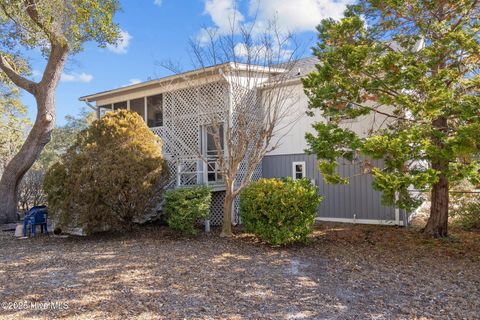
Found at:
(155, 111)
(138, 106)
(211, 153)
(120, 105)
(104, 109)
(298, 170)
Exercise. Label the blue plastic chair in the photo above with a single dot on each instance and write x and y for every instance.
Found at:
(36, 216)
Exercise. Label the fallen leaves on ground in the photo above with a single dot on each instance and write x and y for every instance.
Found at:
(345, 272)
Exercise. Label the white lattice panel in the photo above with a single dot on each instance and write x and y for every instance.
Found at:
(185, 111)
(216, 209)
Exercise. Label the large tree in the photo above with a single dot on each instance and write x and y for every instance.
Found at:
(414, 65)
(13, 122)
(57, 28)
(261, 101)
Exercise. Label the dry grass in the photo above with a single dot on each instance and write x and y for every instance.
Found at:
(346, 272)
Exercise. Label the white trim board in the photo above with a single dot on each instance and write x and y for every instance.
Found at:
(294, 169)
(361, 221)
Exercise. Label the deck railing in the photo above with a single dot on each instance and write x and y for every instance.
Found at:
(190, 170)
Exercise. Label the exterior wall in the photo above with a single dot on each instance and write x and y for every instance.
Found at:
(355, 202)
(188, 104)
(291, 135)
(297, 123)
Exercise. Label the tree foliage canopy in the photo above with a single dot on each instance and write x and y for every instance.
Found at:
(57, 28)
(112, 175)
(37, 24)
(415, 66)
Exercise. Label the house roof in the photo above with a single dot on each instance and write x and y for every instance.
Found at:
(216, 69)
(300, 68)
(296, 70)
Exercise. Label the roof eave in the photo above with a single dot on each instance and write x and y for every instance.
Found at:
(216, 68)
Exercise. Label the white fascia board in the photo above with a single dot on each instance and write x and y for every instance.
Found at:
(217, 69)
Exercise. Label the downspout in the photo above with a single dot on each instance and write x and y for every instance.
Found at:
(97, 110)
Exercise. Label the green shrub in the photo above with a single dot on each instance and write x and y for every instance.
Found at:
(185, 207)
(112, 176)
(465, 207)
(280, 211)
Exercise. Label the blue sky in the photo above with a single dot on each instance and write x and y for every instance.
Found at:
(158, 30)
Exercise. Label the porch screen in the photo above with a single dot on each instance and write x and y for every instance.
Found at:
(155, 111)
(138, 106)
(120, 105)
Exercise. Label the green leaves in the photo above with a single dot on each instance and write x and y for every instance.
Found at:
(187, 206)
(67, 23)
(330, 143)
(280, 211)
(411, 73)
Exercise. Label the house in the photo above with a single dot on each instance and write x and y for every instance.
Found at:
(179, 108)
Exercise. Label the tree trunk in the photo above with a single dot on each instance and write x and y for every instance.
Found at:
(437, 225)
(38, 137)
(8, 202)
(227, 213)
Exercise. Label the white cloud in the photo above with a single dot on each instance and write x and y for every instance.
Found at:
(224, 14)
(131, 82)
(157, 2)
(122, 44)
(241, 50)
(76, 77)
(298, 15)
(261, 52)
(292, 16)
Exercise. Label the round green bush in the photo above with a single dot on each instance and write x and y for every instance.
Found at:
(186, 206)
(280, 211)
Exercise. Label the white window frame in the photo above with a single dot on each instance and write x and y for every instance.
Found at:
(294, 171)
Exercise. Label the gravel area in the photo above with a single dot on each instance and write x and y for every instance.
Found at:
(345, 272)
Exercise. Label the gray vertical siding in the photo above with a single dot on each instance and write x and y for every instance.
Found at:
(355, 200)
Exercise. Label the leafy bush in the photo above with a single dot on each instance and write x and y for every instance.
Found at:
(465, 207)
(184, 207)
(279, 211)
(112, 175)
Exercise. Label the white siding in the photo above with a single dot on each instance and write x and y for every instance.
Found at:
(292, 129)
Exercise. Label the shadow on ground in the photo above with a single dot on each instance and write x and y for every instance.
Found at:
(346, 272)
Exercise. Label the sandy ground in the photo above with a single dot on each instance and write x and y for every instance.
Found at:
(345, 272)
